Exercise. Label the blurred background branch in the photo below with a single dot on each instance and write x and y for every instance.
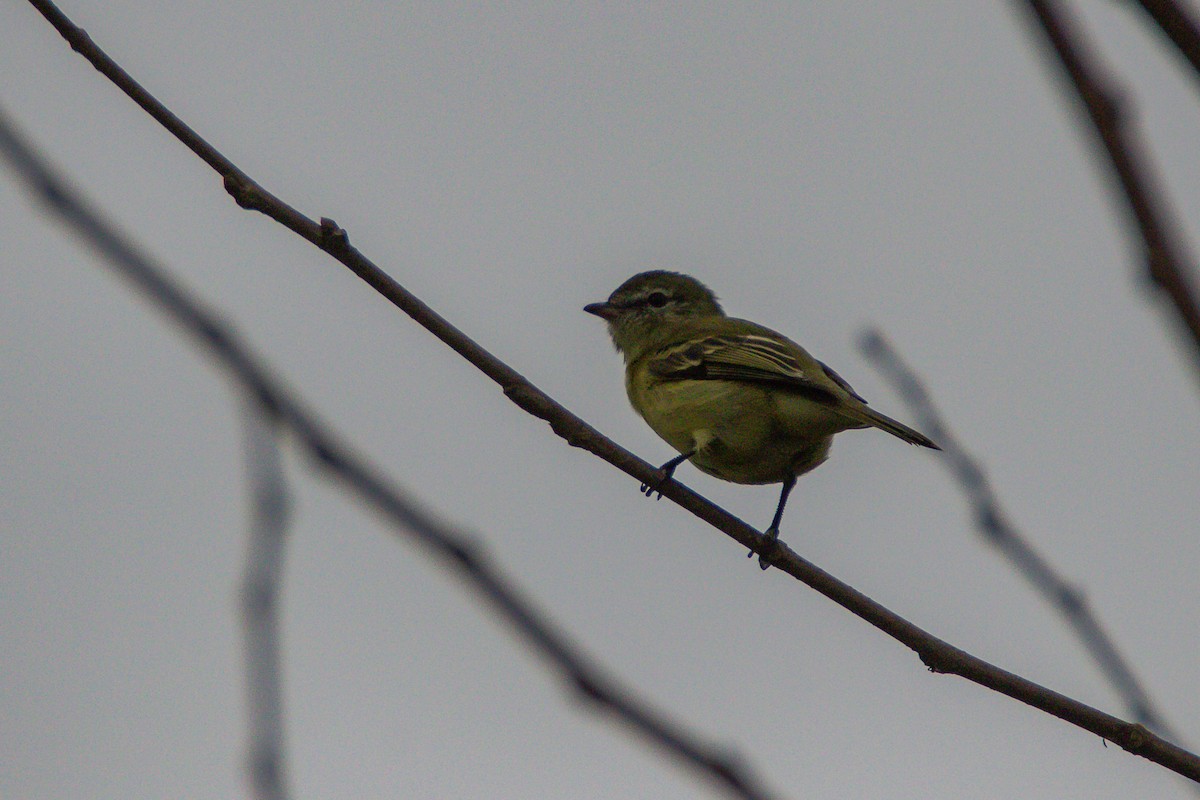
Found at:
(262, 583)
(994, 525)
(1169, 265)
(1176, 23)
(459, 554)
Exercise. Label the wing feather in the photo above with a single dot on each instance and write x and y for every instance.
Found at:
(753, 358)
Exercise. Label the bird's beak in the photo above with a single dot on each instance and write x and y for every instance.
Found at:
(602, 310)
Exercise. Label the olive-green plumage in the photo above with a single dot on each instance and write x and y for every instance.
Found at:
(740, 401)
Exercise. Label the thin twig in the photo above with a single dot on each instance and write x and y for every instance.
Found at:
(995, 527)
(938, 655)
(1176, 24)
(1168, 264)
(266, 544)
(464, 557)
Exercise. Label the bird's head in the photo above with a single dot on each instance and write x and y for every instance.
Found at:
(650, 304)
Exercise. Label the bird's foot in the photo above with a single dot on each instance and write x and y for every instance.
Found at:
(770, 547)
(665, 473)
(649, 489)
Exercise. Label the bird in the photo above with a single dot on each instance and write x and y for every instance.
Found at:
(738, 400)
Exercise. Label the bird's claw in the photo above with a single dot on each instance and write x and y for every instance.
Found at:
(649, 489)
(665, 472)
(770, 547)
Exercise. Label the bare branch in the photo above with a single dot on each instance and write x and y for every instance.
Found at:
(937, 654)
(1168, 264)
(1177, 26)
(995, 527)
(464, 557)
(269, 513)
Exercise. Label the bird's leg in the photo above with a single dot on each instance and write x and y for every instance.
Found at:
(772, 533)
(667, 470)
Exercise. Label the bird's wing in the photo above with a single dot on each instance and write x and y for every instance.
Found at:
(753, 358)
(840, 381)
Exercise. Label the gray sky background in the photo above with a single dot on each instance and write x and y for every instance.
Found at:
(823, 166)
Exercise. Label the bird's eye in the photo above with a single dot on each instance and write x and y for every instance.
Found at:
(657, 299)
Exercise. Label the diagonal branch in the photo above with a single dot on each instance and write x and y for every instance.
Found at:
(1177, 26)
(285, 408)
(996, 528)
(937, 654)
(1168, 264)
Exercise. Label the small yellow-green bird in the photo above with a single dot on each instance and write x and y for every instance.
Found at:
(740, 401)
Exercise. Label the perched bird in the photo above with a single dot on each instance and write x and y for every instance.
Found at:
(740, 401)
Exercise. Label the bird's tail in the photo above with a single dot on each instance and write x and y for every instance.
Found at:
(873, 418)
